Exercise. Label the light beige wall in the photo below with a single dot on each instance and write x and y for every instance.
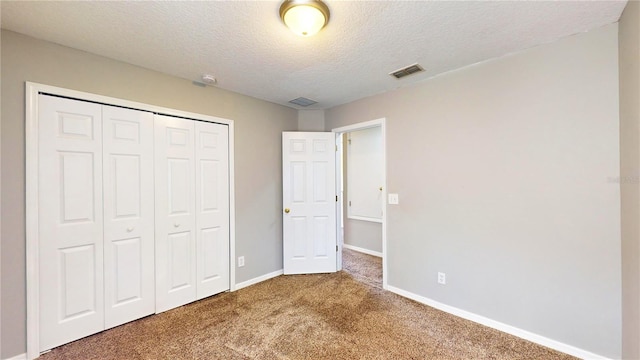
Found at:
(505, 172)
(629, 44)
(310, 120)
(258, 159)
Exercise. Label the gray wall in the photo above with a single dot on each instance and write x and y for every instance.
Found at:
(629, 43)
(363, 234)
(506, 175)
(258, 175)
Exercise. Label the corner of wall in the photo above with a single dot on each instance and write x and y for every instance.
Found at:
(311, 120)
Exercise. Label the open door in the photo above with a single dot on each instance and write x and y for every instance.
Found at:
(309, 198)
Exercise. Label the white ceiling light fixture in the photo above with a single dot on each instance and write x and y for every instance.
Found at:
(304, 17)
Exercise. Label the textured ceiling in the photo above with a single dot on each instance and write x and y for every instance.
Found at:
(248, 49)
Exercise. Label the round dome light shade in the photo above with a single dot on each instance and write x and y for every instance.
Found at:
(304, 18)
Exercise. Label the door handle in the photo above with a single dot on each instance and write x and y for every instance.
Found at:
(130, 229)
(176, 225)
(287, 210)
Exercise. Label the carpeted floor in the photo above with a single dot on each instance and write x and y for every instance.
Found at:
(362, 267)
(345, 315)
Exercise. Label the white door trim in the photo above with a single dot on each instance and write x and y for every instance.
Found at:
(32, 197)
(361, 126)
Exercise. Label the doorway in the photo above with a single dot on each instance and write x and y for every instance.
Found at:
(358, 219)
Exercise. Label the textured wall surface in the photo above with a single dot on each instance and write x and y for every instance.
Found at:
(258, 159)
(506, 172)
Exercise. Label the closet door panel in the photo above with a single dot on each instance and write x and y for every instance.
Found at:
(212, 208)
(175, 212)
(129, 215)
(70, 220)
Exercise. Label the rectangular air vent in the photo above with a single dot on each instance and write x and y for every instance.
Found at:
(411, 69)
(303, 102)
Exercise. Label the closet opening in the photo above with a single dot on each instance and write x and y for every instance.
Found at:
(110, 185)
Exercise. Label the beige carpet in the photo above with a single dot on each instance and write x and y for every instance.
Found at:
(345, 315)
(362, 267)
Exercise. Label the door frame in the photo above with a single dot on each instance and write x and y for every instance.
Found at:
(354, 127)
(32, 90)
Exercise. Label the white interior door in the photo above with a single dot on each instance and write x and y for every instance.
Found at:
(309, 198)
(128, 214)
(212, 208)
(175, 212)
(71, 289)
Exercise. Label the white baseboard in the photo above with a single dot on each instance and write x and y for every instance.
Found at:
(18, 357)
(262, 278)
(362, 250)
(523, 334)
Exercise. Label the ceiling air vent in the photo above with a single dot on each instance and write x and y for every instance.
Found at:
(411, 69)
(303, 102)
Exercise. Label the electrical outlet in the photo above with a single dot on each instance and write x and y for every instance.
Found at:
(240, 261)
(442, 278)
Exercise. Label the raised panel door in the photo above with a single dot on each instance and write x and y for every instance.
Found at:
(128, 214)
(212, 208)
(309, 219)
(175, 212)
(70, 214)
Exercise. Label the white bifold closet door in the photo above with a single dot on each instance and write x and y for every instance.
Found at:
(192, 210)
(133, 213)
(128, 215)
(71, 287)
(212, 208)
(95, 254)
(175, 212)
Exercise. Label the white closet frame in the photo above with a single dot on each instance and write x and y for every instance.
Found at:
(32, 197)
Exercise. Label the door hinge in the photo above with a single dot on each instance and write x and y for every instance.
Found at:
(349, 202)
(336, 248)
(336, 148)
(336, 198)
